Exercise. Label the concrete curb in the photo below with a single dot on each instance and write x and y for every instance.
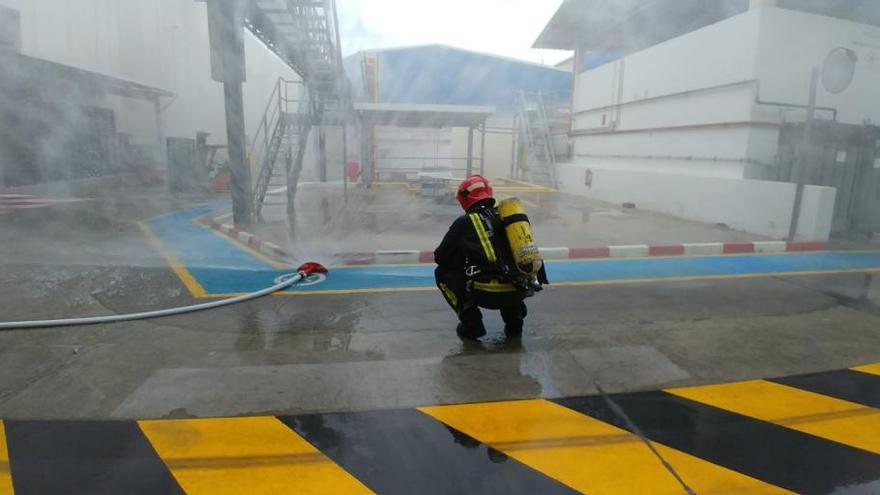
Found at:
(265, 247)
(626, 251)
(413, 256)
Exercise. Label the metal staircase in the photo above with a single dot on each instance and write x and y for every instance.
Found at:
(282, 134)
(540, 118)
(305, 34)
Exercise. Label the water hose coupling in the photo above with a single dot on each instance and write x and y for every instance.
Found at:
(310, 268)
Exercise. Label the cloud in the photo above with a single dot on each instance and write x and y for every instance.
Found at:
(502, 27)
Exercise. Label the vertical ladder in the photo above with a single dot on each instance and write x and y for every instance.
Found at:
(541, 118)
(535, 130)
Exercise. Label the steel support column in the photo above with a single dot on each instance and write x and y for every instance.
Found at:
(805, 157)
(470, 151)
(226, 33)
(238, 166)
(160, 136)
(483, 149)
(369, 154)
(322, 153)
(514, 150)
(344, 161)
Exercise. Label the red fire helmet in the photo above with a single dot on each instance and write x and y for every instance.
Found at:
(473, 190)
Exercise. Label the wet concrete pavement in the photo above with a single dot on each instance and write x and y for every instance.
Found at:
(385, 350)
(398, 350)
(391, 217)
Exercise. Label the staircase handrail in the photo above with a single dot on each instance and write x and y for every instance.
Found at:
(277, 106)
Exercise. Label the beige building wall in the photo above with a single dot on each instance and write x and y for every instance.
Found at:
(498, 148)
(445, 147)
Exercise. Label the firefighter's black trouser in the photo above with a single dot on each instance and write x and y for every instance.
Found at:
(466, 297)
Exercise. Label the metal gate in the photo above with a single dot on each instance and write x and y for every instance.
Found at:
(843, 156)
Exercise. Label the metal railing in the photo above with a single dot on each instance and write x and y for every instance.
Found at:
(278, 106)
(305, 34)
(545, 129)
(557, 101)
(288, 114)
(537, 114)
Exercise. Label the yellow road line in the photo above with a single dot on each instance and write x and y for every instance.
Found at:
(194, 287)
(512, 190)
(873, 369)
(524, 183)
(222, 295)
(377, 265)
(244, 455)
(5, 474)
(562, 285)
(247, 249)
(808, 412)
(587, 454)
(161, 215)
(407, 186)
(528, 190)
(358, 291)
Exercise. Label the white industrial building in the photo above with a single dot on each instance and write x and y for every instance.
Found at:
(678, 105)
(162, 44)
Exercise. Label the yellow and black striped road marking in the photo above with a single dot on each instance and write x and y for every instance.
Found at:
(814, 433)
(5, 476)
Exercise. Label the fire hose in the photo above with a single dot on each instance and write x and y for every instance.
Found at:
(283, 282)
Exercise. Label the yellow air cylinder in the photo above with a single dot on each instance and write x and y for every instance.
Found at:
(519, 235)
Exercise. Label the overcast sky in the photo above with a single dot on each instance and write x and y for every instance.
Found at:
(503, 27)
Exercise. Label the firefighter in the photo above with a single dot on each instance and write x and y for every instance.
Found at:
(476, 268)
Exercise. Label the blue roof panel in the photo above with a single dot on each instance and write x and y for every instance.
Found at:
(449, 76)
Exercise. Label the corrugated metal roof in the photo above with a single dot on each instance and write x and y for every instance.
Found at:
(455, 48)
(438, 74)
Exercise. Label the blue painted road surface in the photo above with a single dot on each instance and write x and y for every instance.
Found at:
(222, 267)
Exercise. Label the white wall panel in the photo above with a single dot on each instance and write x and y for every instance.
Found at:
(163, 43)
(761, 207)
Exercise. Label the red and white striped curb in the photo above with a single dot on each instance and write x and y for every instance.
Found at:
(627, 251)
(265, 247)
(12, 202)
(408, 256)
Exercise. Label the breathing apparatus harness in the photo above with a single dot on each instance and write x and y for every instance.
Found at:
(498, 266)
